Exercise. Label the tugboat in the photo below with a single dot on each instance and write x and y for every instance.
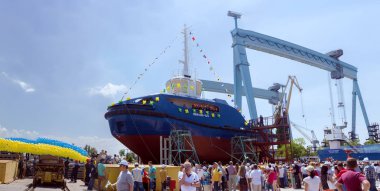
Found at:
(139, 123)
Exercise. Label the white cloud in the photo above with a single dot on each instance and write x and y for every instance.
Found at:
(109, 90)
(25, 86)
(28, 134)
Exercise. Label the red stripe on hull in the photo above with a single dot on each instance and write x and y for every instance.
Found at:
(209, 149)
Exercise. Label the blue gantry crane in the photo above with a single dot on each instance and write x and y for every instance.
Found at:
(330, 62)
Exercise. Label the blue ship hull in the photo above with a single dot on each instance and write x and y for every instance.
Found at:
(139, 123)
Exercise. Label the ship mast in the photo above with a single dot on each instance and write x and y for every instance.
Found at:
(185, 61)
(183, 84)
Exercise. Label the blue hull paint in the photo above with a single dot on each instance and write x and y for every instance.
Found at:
(150, 125)
(160, 117)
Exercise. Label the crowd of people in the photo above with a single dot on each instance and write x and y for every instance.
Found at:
(26, 166)
(350, 175)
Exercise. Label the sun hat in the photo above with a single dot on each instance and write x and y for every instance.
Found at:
(309, 168)
(123, 162)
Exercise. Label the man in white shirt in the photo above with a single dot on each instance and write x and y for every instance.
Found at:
(303, 171)
(199, 170)
(255, 176)
(281, 175)
(189, 180)
(231, 176)
(124, 181)
(137, 175)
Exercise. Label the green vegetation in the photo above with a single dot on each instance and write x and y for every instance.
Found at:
(355, 142)
(90, 150)
(370, 142)
(131, 157)
(298, 148)
(122, 153)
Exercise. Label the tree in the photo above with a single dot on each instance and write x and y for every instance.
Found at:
(297, 148)
(355, 142)
(130, 157)
(122, 153)
(90, 150)
(370, 142)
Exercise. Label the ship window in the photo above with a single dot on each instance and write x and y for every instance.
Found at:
(206, 107)
(147, 100)
(194, 105)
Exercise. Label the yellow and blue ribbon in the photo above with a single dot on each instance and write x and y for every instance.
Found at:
(43, 146)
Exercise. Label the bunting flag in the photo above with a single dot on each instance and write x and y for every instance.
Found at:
(204, 55)
(146, 69)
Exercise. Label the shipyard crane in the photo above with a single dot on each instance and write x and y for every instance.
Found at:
(313, 139)
(292, 81)
(284, 103)
(338, 69)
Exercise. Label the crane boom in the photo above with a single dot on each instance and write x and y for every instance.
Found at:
(313, 139)
(293, 82)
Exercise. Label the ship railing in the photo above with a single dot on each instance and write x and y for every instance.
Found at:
(267, 121)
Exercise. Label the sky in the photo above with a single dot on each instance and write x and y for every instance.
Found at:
(63, 62)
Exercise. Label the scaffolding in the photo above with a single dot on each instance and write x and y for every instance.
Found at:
(182, 147)
(271, 134)
(374, 132)
(165, 155)
(242, 149)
